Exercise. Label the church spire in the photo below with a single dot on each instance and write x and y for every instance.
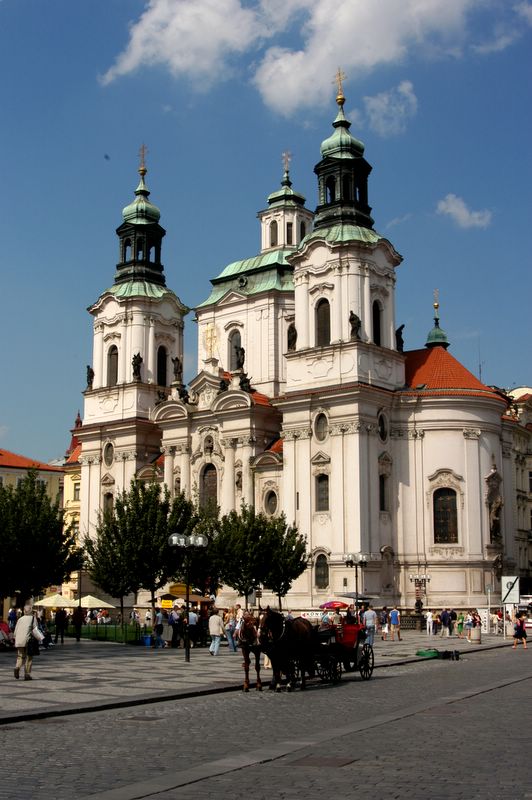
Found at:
(342, 174)
(140, 236)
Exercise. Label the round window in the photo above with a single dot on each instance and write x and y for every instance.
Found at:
(271, 503)
(383, 427)
(108, 454)
(321, 427)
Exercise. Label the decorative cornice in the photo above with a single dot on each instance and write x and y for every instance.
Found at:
(472, 433)
(407, 433)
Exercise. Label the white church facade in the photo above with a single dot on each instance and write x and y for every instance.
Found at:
(304, 402)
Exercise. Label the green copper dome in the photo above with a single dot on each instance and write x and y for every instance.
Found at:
(341, 144)
(141, 211)
(286, 194)
(437, 337)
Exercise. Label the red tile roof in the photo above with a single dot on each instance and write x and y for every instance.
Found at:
(277, 447)
(260, 399)
(15, 461)
(74, 455)
(439, 372)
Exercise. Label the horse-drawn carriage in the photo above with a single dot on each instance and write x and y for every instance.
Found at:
(297, 649)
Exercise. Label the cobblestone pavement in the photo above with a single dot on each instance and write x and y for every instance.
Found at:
(432, 729)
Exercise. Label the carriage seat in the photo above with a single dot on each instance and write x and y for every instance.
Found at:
(349, 635)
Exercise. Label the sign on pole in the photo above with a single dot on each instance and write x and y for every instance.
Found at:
(509, 589)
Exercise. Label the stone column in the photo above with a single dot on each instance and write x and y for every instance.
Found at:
(247, 478)
(185, 470)
(228, 482)
(337, 307)
(169, 453)
(302, 310)
(97, 357)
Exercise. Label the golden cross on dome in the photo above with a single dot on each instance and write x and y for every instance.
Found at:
(287, 157)
(338, 78)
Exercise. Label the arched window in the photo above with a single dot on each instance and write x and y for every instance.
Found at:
(270, 503)
(377, 322)
(322, 492)
(208, 486)
(323, 323)
(321, 572)
(112, 365)
(235, 343)
(346, 188)
(140, 249)
(330, 187)
(151, 251)
(127, 250)
(289, 232)
(161, 365)
(302, 230)
(445, 516)
(273, 234)
(321, 427)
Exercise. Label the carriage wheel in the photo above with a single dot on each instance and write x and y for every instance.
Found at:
(336, 670)
(322, 668)
(365, 665)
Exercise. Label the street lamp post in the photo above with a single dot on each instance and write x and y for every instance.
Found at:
(356, 560)
(187, 544)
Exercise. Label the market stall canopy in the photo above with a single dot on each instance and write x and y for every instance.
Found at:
(56, 601)
(334, 604)
(89, 601)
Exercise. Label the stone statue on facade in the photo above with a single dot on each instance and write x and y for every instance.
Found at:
(178, 369)
(355, 323)
(495, 504)
(240, 357)
(90, 376)
(399, 341)
(292, 337)
(136, 362)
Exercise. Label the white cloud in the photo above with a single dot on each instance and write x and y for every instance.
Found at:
(389, 112)
(524, 10)
(293, 47)
(454, 207)
(398, 220)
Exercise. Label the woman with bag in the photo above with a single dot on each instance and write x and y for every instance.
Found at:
(27, 638)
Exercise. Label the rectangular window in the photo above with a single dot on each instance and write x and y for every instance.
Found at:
(76, 491)
(322, 492)
(383, 491)
(530, 482)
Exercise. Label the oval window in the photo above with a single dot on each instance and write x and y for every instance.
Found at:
(383, 427)
(108, 454)
(321, 427)
(271, 502)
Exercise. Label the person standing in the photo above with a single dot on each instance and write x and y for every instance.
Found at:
(25, 628)
(428, 622)
(192, 628)
(444, 618)
(230, 628)
(158, 628)
(395, 623)
(216, 630)
(78, 617)
(383, 620)
(460, 625)
(453, 616)
(370, 620)
(520, 632)
(173, 620)
(60, 620)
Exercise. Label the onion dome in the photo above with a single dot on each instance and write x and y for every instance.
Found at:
(341, 144)
(286, 194)
(437, 337)
(141, 210)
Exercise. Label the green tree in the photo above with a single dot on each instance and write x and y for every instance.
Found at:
(241, 549)
(36, 550)
(288, 556)
(108, 558)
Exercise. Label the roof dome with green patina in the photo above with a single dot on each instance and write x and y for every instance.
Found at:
(437, 337)
(286, 194)
(141, 211)
(341, 144)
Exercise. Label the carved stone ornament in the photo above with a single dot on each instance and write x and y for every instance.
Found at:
(320, 458)
(472, 433)
(447, 551)
(345, 427)
(445, 479)
(322, 518)
(385, 464)
(90, 460)
(107, 480)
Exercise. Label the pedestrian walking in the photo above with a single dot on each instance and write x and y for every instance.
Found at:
(370, 620)
(216, 630)
(27, 637)
(78, 618)
(383, 621)
(444, 619)
(395, 623)
(428, 622)
(230, 628)
(460, 625)
(173, 620)
(520, 632)
(159, 628)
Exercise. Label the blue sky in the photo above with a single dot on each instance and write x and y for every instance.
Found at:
(438, 90)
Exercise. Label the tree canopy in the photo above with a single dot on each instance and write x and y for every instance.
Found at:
(36, 551)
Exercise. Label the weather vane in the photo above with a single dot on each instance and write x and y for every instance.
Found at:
(287, 157)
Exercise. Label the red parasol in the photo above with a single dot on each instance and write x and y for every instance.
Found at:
(334, 604)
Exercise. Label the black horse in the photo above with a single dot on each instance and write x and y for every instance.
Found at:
(248, 639)
(290, 645)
